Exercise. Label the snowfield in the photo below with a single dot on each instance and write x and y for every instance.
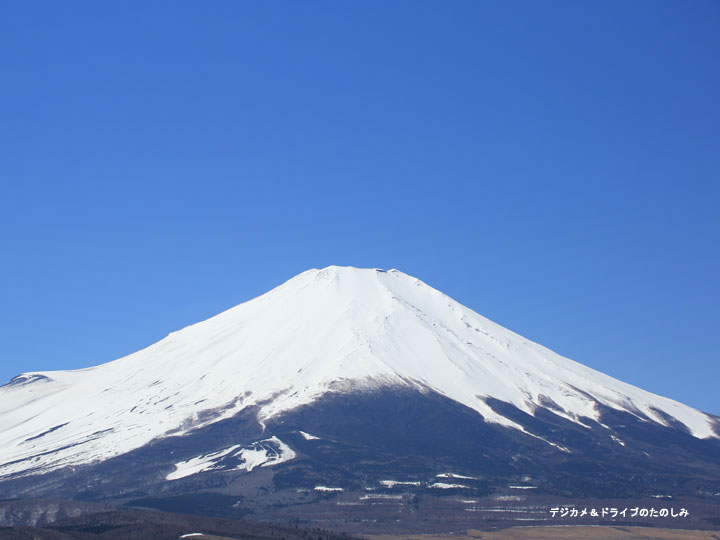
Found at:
(330, 330)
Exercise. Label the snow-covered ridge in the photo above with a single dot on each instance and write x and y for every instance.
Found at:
(335, 329)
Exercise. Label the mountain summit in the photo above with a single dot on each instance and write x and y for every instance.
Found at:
(298, 356)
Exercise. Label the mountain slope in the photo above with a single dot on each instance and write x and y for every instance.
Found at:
(331, 330)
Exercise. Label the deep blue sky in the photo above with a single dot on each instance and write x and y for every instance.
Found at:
(553, 165)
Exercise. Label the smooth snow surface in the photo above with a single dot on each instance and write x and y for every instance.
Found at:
(335, 329)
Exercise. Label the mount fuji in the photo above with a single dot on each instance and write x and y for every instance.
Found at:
(344, 383)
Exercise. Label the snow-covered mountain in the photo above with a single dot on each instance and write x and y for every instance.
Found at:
(322, 335)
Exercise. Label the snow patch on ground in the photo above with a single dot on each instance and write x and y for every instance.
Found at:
(455, 476)
(199, 464)
(617, 440)
(265, 453)
(393, 483)
(561, 448)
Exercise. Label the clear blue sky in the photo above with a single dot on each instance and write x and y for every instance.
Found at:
(553, 165)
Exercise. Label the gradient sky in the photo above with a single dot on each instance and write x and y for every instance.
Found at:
(553, 165)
